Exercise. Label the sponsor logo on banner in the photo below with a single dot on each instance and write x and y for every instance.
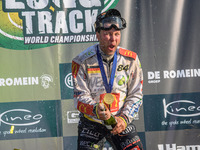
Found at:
(29, 119)
(44, 80)
(159, 76)
(181, 108)
(73, 117)
(177, 147)
(66, 81)
(172, 112)
(50, 22)
(69, 81)
(23, 117)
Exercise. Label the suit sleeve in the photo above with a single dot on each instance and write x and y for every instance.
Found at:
(134, 97)
(82, 98)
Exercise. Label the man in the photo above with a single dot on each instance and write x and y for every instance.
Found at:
(107, 86)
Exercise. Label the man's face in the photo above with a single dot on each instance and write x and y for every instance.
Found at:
(109, 40)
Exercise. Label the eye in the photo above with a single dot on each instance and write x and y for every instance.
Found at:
(117, 34)
(106, 33)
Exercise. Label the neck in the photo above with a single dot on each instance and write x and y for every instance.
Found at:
(105, 56)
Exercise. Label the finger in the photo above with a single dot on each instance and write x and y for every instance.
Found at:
(101, 107)
(103, 115)
(117, 129)
(114, 132)
(106, 108)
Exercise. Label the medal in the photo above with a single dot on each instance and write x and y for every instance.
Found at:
(108, 98)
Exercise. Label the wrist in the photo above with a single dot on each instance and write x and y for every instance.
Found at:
(95, 110)
(124, 118)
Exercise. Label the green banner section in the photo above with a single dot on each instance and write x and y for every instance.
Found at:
(29, 75)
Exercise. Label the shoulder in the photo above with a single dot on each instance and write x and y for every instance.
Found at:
(127, 53)
(86, 54)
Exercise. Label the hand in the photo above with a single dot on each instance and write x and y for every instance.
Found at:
(103, 112)
(120, 126)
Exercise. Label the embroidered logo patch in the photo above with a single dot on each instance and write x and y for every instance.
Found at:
(93, 70)
(75, 68)
(127, 53)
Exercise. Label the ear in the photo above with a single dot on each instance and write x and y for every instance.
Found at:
(98, 35)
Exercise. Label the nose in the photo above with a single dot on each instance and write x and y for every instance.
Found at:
(112, 37)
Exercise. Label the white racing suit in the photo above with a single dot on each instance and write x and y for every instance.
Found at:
(89, 90)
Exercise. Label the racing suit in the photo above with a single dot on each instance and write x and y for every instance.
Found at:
(89, 90)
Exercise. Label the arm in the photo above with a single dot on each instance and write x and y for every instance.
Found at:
(82, 98)
(133, 100)
(134, 97)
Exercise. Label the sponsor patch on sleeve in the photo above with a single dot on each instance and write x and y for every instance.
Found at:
(75, 68)
(85, 108)
(127, 53)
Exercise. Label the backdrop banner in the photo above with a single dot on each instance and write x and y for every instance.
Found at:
(39, 39)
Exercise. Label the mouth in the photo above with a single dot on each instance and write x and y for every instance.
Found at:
(112, 46)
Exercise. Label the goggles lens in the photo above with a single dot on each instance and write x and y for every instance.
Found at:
(117, 22)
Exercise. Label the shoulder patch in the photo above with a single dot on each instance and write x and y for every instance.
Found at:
(127, 53)
(75, 69)
(89, 52)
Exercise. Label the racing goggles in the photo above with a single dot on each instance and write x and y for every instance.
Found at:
(108, 23)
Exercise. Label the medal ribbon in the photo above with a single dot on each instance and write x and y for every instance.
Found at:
(107, 85)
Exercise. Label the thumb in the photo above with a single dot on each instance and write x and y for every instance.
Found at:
(102, 107)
